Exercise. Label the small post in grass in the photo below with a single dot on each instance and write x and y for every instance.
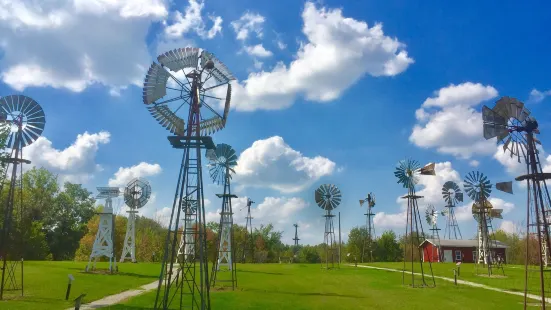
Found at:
(455, 276)
(71, 279)
(458, 268)
(78, 301)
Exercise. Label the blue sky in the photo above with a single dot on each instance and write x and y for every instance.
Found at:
(327, 92)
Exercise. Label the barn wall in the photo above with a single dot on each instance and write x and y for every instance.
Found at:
(430, 253)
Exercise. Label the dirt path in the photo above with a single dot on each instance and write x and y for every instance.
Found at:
(473, 284)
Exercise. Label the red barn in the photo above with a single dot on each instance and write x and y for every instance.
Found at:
(456, 250)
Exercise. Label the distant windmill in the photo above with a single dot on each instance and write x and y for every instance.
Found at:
(431, 217)
(452, 195)
(136, 195)
(248, 249)
(296, 239)
(408, 172)
(479, 187)
(369, 226)
(328, 197)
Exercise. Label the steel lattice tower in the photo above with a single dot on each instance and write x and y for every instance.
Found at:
(26, 121)
(296, 239)
(431, 217)
(189, 114)
(220, 172)
(248, 249)
(328, 197)
(367, 248)
(407, 173)
(511, 123)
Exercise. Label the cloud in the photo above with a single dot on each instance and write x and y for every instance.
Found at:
(248, 23)
(271, 163)
(474, 163)
(52, 43)
(509, 227)
(397, 220)
(124, 175)
(75, 163)
(192, 20)
(538, 96)
(449, 122)
(258, 51)
(335, 43)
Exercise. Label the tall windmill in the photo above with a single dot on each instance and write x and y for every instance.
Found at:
(25, 122)
(408, 172)
(431, 217)
(452, 195)
(221, 169)
(328, 197)
(478, 187)
(369, 226)
(105, 237)
(248, 249)
(136, 195)
(182, 92)
(511, 123)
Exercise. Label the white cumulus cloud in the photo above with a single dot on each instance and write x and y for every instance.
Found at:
(271, 163)
(258, 51)
(192, 20)
(76, 163)
(141, 170)
(248, 23)
(538, 96)
(72, 44)
(449, 122)
(334, 43)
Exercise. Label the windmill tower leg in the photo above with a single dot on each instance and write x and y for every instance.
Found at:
(225, 249)
(129, 247)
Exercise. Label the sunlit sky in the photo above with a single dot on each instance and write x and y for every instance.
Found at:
(326, 92)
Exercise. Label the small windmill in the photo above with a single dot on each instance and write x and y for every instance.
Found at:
(136, 195)
(296, 239)
(105, 237)
(478, 187)
(328, 197)
(369, 226)
(248, 249)
(221, 168)
(452, 195)
(513, 125)
(431, 217)
(408, 172)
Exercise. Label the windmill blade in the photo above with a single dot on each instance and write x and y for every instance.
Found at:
(494, 124)
(361, 202)
(506, 187)
(428, 169)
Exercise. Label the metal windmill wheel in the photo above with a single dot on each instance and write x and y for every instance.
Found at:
(328, 197)
(222, 163)
(506, 121)
(22, 112)
(169, 86)
(189, 206)
(452, 193)
(431, 215)
(137, 193)
(477, 185)
(408, 172)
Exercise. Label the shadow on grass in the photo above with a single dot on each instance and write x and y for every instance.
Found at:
(263, 272)
(306, 293)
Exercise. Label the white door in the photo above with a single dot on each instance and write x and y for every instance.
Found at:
(448, 257)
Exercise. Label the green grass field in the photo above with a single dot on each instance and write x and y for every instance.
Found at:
(274, 286)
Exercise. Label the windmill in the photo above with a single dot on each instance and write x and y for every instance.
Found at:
(478, 187)
(296, 239)
(186, 250)
(136, 195)
(408, 172)
(431, 217)
(104, 244)
(182, 93)
(328, 197)
(369, 226)
(452, 195)
(24, 120)
(248, 249)
(511, 123)
(221, 169)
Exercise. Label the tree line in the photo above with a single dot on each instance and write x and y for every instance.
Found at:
(59, 222)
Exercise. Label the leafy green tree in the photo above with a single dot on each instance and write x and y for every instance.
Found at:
(388, 249)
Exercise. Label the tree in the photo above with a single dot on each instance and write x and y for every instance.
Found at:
(356, 239)
(388, 248)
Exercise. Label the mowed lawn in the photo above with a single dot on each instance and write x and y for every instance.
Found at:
(513, 280)
(46, 283)
(300, 286)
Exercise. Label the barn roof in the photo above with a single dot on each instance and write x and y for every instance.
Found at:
(462, 243)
